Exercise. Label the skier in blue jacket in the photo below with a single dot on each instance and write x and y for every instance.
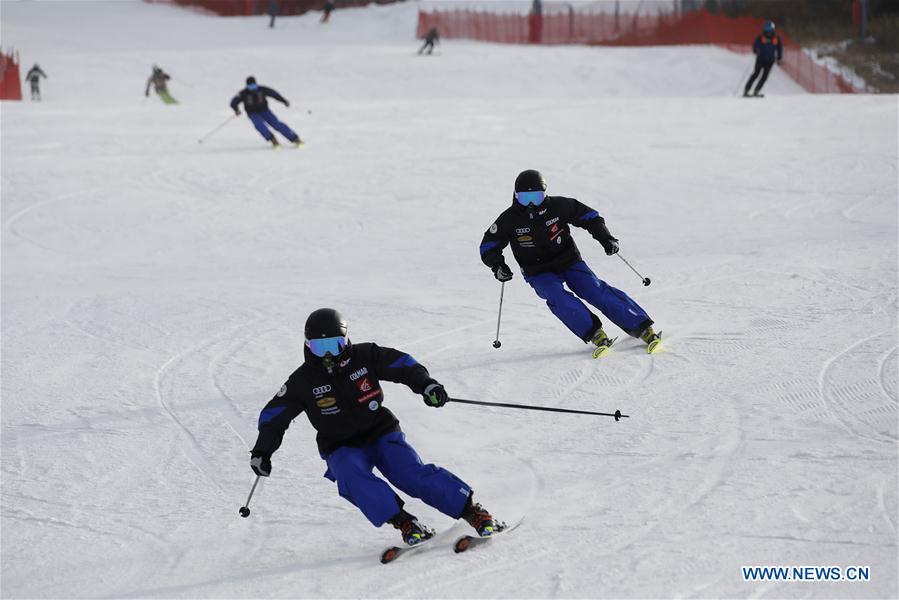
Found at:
(767, 48)
(538, 228)
(253, 97)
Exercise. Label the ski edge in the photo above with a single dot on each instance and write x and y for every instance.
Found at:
(466, 542)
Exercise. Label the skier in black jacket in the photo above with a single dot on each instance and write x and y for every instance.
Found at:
(255, 104)
(767, 48)
(34, 78)
(537, 227)
(339, 388)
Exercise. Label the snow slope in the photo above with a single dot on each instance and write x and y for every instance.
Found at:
(154, 291)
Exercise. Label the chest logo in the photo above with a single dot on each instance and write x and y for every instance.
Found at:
(326, 402)
(522, 230)
(553, 220)
(357, 374)
(364, 385)
(323, 389)
(373, 405)
(525, 238)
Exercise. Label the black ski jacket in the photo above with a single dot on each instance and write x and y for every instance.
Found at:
(345, 406)
(254, 100)
(540, 235)
(34, 75)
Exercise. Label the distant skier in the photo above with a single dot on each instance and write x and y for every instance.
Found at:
(256, 106)
(326, 10)
(158, 79)
(767, 48)
(431, 38)
(537, 227)
(339, 388)
(274, 8)
(34, 78)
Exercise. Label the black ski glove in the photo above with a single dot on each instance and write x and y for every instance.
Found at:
(434, 395)
(610, 245)
(261, 465)
(502, 272)
(287, 103)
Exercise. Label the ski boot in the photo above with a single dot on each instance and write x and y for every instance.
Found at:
(602, 342)
(413, 532)
(652, 339)
(298, 143)
(275, 144)
(480, 519)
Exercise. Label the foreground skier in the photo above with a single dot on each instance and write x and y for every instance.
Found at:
(338, 387)
(536, 225)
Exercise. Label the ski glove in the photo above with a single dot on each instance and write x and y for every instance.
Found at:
(610, 246)
(435, 395)
(261, 465)
(502, 272)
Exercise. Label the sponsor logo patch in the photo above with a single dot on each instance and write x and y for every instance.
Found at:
(525, 238)
(373, 405)
(369, 396)
(553, 220)
(522, 230)
(357, 374)
(323, 389)
(282, 391)
(364, 385)
(493, 228)
(326, 402)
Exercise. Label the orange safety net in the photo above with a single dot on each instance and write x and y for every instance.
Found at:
(611, 29)
(10, 82)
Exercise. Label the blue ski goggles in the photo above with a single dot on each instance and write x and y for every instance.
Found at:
(252, 87)
(525, 198)
(331, 345)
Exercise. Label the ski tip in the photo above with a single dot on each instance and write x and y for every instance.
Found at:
(389, 555)
(462, 544)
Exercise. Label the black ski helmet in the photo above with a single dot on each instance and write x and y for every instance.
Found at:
(530, 181)
(325, 323)
(251, 80)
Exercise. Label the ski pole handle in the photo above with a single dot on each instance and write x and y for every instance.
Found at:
(646, 280)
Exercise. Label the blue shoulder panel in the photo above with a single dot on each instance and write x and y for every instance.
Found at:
(404, 361)
(590, 215)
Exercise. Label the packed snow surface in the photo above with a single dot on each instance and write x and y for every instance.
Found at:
(154, 291)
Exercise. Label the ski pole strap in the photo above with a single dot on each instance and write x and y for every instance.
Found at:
(617, 414)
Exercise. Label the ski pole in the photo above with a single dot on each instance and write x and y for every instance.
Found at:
(228, 120)
(646, 280)
(496, 342)
(245, 509)
(617, 414)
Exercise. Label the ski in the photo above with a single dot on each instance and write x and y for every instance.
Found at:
(394, 552)
(604, 348)
(467, 542)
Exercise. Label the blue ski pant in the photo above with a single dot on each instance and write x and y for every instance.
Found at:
(352, 467)
(260, 119)
(617, 306)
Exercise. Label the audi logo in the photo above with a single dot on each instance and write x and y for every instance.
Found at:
(321, 390)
